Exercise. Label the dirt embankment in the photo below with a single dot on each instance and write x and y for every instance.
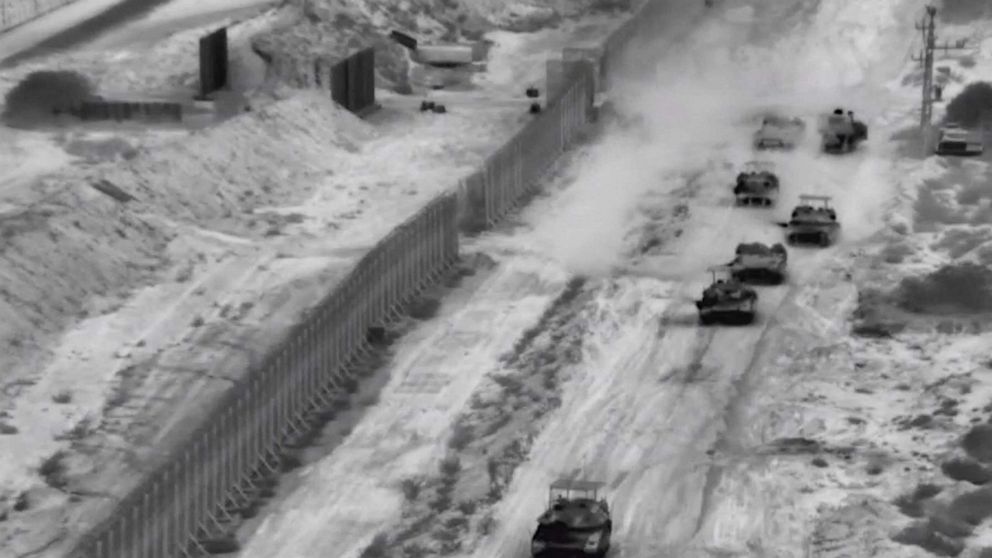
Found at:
(76, 244)
(328, 28)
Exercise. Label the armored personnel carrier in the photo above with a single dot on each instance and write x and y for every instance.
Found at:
(955, 140)
(810, 224)
(759, 263)
(726, 300)
(779, 132)
(577, 522)
(757, 185)
(841, 133)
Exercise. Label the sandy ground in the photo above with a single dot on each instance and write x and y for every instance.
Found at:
(791, 437)
(231, 233)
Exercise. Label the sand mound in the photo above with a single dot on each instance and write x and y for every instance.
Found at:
(74, 244)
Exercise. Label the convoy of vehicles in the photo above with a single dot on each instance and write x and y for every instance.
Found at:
(577, 522)
(730, 297)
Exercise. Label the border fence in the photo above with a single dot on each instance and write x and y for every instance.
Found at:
(17, 12)
(351, 81)
(191, 498)
(213, 61)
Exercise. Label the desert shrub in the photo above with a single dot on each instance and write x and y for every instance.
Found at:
(970, 106)
(462, 435)
(450, 466)
(411, 489)
(925, 491)
(978, 442)
(912, 504)
(53, 470)
(966, 470)
(963, 11)
(378, 548)
(972, 507)
(965, 287)
(40, 94)
(950, 526)
(924, 536)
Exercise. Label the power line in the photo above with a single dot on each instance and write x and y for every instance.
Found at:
(927, 28)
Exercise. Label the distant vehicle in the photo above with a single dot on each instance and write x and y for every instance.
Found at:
(759, 263)
(576, 523)
(955, 140)
(779, 132)
(813, 224)
(757, 185)
(841, 133)
(726, 300)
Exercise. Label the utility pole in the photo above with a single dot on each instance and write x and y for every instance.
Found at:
(927, 28)
(926, 57)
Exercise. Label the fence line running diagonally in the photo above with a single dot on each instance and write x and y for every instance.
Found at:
(212, 475)
(216, 473)
(512, 173)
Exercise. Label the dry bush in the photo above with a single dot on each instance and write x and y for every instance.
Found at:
(971, 105)
(378, 548)
(965, 288)
(968, 470)
(978, 442)
(972, 507)
(53, 470)
(40, 94)
(950, 526)
(462, 435)
(912, 504)
(873, 317)
(924, 536)
(411, 489)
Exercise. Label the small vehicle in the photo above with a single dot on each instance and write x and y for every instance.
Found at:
(813, 224)
(778, 132)
(955, 140)
(759, 263)
(726, 300)
(576, 523)
(842, 132)
(757, 185)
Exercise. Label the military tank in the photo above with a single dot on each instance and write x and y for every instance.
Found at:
(759, 263)
(779, 132)
(811, 224)
(727, 300)
(756, 185)
(577, 522)
(840, 132)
